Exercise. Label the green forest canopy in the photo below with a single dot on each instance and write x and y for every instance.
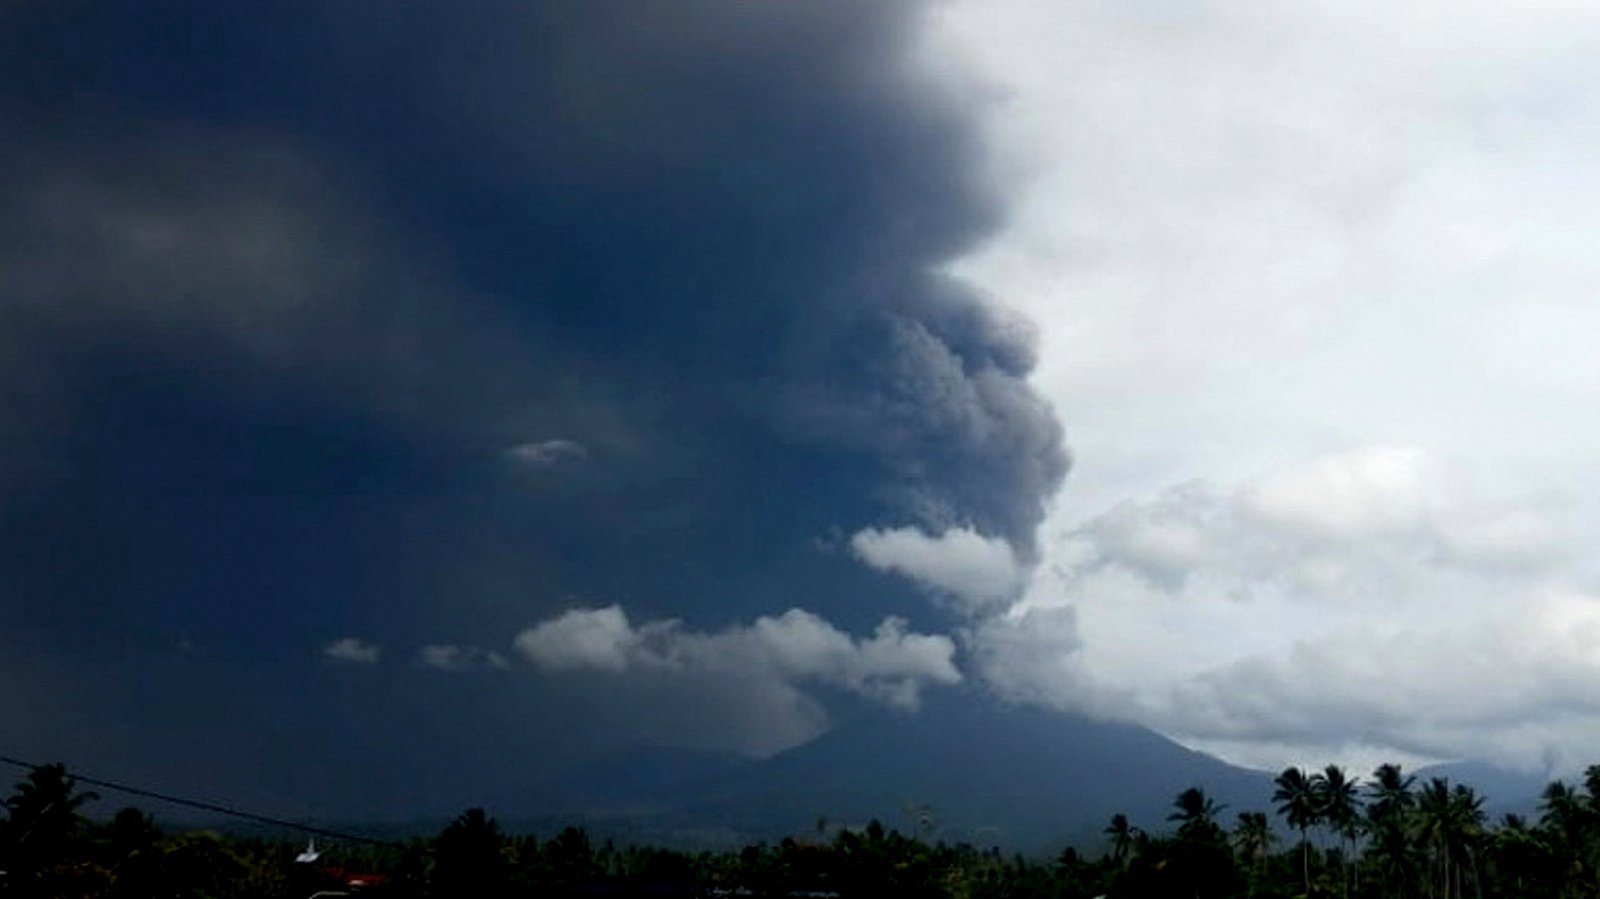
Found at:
(1385, 836)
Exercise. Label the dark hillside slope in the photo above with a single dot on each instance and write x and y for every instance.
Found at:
(969, 768)
(1504, 791)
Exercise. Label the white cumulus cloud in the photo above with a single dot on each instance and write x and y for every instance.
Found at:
(1378, 491)
(1370, 602)
(450, 657)
(797, 647)
(595, 639)
(960, 562)
(353, 650)
(547, 453)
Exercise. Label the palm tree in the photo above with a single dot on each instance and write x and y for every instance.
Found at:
(1433, 826)
(468, 856)
(1561, 809)
(1341, 808)
(43, 823)
(1563, 812)
(1388, 819)
(1391, 794)
(1194, 810)
(1588, 854)
(1466, 818)
(1296, 797)
(1252, 838)
(1591, 787)
(1521, 859)
(1451, 820)
(1122, 835)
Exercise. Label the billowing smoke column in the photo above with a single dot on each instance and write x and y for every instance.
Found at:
(428, 322)
(708, 225)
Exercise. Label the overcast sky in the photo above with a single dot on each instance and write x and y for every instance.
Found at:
(415, 399)
(1317, 309)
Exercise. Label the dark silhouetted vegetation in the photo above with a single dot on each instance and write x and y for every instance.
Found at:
(1334, 836)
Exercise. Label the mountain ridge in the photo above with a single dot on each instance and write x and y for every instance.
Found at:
(963, 768)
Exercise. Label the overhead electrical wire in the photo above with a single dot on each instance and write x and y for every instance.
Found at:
(211, 807)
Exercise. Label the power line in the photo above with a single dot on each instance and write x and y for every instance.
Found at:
(212, 807)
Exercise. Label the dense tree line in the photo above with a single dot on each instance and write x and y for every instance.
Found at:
(1388, 837)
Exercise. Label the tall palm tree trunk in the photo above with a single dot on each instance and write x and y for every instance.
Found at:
(1305, 858)
(1445, 853)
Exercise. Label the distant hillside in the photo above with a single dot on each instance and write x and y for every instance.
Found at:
(1504, 791)
(969, 769)
(962, 769)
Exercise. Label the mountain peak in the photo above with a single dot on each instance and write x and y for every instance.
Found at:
(963, 768)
